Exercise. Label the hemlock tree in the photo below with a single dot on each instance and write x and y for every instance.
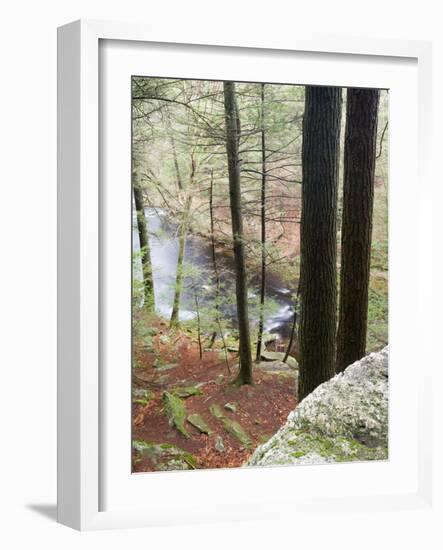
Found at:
(358, 201)
(261, 318)
(232, 143)
(318, 272)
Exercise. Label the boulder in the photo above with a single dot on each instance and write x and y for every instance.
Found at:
(344, 419)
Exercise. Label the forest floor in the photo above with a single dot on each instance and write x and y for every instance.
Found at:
(187, 414)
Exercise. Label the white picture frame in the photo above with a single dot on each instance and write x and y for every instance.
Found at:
(82, 468)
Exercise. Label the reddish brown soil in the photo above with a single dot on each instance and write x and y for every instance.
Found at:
(260, 409)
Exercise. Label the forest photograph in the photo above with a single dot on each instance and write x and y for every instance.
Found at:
(259, 274)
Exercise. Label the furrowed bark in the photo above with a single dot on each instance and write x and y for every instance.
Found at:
(358, 203)
(318, 272)
(232, 143)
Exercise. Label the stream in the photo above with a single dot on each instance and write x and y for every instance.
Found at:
(199, 278)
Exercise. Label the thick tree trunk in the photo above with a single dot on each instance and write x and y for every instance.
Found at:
(148, 283)
(232, 142)
(318, 271)
(358, 201)
(263, 229)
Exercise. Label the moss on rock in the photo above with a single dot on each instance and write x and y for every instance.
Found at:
(198, 422)
(344, 419)
(216, 411)
(235, 429)
(165, 456)
(187, 391)
(175, 410)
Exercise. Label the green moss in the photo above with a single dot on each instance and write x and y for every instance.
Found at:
(339, 449)
(175, 410)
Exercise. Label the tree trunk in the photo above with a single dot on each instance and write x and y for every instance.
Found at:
(148, 283)
(232, 143)
(358, 201)
(263, 229)
(216, 275)
(318, 271)
(174, 322)
(199, 336)
(292, 348)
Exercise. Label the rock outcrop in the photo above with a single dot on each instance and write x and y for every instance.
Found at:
(344, 419)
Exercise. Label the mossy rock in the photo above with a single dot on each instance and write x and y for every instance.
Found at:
(197, 421)
(165, 456)
(279, 356)
(344, 419)
(235, 429)
(141, 396)
(277, 368)
(187, 391)
(216, 411)
(161, 367)
(175, 410)
(142, 393)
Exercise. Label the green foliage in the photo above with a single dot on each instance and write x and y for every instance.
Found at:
(183, 138)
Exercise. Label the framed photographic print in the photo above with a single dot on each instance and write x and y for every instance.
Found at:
(236, 281)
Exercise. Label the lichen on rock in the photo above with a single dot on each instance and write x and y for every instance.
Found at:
(344, 419)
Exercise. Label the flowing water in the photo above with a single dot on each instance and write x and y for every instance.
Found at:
(199, 278)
